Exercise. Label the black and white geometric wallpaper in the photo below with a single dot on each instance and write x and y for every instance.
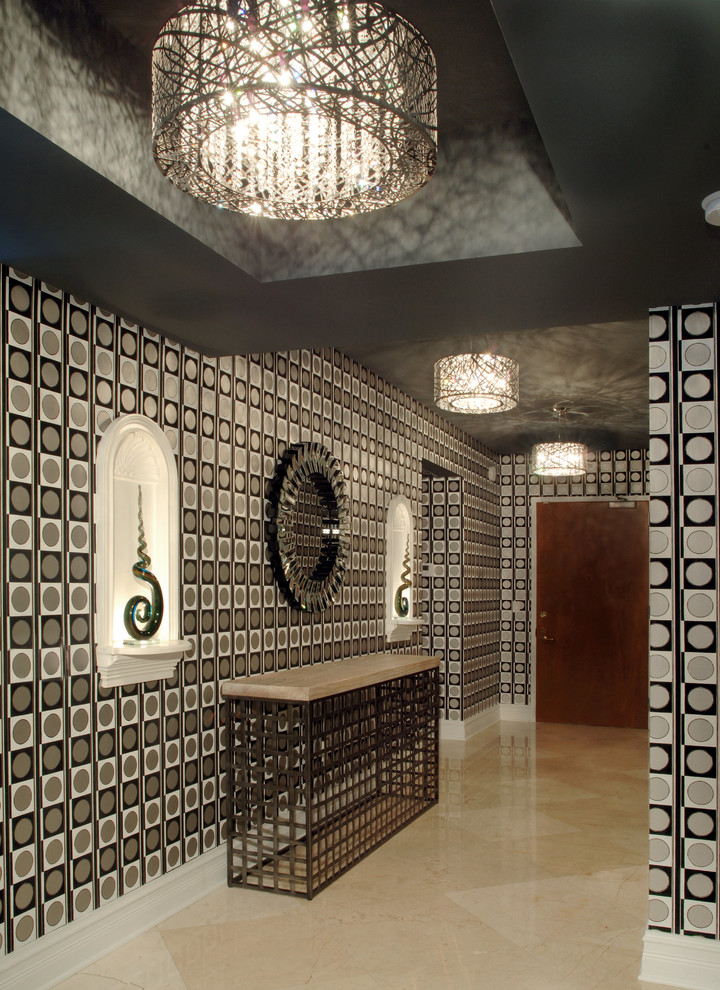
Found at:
(461, 537)
(105, 789)
(442, 563)
(683, 484)
(614, 473)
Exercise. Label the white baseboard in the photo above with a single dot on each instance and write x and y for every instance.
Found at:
(462, 730)
(64, 951)
(517, 713)
(681, 961)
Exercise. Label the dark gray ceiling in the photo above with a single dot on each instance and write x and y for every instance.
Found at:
(576, 143)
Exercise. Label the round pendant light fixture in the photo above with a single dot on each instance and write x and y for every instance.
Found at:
(559, 458)
(476, 383)
(310, 110)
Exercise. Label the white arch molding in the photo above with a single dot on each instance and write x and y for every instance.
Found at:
(135, 452)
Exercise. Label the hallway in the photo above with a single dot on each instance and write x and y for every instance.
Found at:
(531, 874)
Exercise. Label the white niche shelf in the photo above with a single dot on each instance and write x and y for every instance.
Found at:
(399, 568)
(134, 454)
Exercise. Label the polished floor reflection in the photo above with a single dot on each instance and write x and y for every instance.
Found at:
(531, 874)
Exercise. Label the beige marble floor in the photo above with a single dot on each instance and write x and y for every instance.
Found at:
(529, 875)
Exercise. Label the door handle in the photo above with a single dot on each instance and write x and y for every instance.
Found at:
(545, 638)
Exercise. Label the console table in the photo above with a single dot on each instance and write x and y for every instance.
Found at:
(326, 763)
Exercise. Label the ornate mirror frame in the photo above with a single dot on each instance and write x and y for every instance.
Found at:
(308, 526)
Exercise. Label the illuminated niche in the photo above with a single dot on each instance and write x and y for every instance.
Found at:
(400, 580)
(137, 524)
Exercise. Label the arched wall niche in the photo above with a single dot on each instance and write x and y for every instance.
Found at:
(134, 456)
(400, 580)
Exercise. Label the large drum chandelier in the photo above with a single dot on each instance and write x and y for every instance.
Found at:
(307, 110)
(476, 383)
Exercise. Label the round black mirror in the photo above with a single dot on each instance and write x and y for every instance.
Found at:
(308, 526)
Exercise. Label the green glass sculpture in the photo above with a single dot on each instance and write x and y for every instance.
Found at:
(139, 611)
(402, 602)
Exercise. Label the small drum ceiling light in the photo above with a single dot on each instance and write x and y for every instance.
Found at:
(291, 110)
(476, 383)
(561, 458)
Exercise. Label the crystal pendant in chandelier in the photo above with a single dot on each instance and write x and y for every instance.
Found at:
(476, 383)
(559, 459)
(291, 110)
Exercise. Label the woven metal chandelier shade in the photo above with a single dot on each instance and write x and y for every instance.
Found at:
(558, 459)
(306, 110)
(476, 383)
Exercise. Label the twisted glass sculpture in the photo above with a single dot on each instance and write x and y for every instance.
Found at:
(402, 602)
(143, 616)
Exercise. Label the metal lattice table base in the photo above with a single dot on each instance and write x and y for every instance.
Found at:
(315, 786)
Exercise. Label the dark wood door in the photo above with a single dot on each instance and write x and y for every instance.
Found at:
(591, 614)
